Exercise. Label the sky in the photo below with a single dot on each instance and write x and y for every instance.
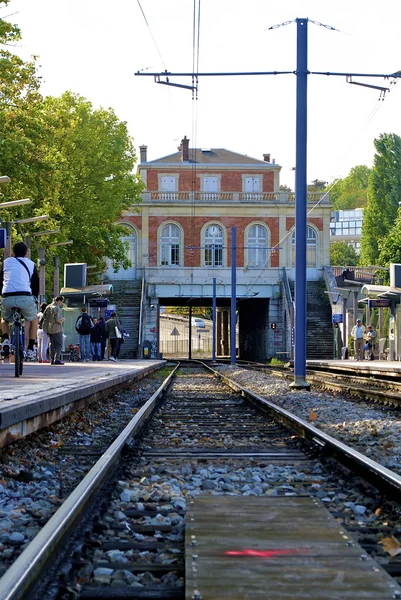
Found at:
(94, 48)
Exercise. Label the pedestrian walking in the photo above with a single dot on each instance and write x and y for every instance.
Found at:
(113, 333)
(358, 335)
(96, 340)
(43, 338)
(83, 326)
(53, 326)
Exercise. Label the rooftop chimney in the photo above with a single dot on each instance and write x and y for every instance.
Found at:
(185, 149)
(144, 154)
(266, 157)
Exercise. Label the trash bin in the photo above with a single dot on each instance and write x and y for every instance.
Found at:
(146, 349)
(344, 353)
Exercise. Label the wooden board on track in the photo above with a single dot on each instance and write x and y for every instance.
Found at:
(281, 548)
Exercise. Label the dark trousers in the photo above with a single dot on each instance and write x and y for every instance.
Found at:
(115, 347)
(56, 344)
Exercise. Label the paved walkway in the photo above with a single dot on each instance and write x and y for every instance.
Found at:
(390, 367)
(43, 387)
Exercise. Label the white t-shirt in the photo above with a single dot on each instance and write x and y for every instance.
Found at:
(15, 276)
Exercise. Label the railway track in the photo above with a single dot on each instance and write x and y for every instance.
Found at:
(375, 387)
(125, 522)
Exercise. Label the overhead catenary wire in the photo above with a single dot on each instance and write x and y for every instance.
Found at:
(151, 34)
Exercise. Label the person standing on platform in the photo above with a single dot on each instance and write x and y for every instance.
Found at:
(83, 326)
(371, 341)
(102, 326)
(43, 338)
(114, 334)
(53, 326)
(358, 335)
(96, 338)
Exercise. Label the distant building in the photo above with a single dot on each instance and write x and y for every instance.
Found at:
(180, 239)
(346, 226)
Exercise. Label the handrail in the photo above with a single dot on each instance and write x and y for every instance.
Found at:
(290, 307)
(331, 285)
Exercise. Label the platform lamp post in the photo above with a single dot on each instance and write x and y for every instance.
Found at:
(42, 261)
(56, 268)
(8, 225)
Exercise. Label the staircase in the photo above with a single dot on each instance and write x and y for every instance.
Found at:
(319, 328)
(127, 298)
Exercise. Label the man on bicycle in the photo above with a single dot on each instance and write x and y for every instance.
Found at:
(19, 285)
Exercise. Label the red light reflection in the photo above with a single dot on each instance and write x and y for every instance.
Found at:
(264, 553)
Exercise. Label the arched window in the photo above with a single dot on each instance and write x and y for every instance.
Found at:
(170, 240)
(213, 246)
(257, 246)
(311, 248)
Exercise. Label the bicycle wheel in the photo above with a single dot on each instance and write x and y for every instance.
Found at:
(18, 351)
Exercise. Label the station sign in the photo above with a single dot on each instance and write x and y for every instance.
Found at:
(379, 303)
(337, 318)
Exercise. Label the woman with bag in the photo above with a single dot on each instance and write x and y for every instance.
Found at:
(113, 333)
(43, 338)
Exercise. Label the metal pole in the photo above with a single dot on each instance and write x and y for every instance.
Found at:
(56, 276)
(300, 206)
(214, 312)
(345, 339)
(42, 274)
(233, 327)
(190, 334)
(7, 249)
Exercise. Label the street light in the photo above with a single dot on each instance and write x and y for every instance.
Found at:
(15, 203)
(48, 232)
(30, 219)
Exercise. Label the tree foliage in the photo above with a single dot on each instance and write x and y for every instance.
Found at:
(317, 185)
(384, 194)
(343, 254)
(75, 162)
(352, 191)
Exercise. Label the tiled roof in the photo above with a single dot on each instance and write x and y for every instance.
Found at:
(213, 156)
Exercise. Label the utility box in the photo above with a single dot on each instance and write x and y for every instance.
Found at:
(146, 349)
(74, 275)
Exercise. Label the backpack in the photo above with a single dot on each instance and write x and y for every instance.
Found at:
(86, 325)
(45, 320)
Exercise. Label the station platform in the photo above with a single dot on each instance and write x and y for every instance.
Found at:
(276, 547)
(387, 368)
(45, 393)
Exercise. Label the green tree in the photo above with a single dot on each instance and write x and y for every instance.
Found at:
(352, 191)
(384, 194)
(343, 254)
(317, 185)
(89, 180)
(286, 189)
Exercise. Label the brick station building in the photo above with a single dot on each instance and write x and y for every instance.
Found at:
(181, 239)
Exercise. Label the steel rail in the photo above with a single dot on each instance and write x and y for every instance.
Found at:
(367, 468)
(25, 571)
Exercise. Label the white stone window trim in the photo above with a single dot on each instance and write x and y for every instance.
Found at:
(203, 244)
(159, 242)
(247, 243)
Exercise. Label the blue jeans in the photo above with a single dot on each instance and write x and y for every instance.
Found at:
(96, 350)
(85, 346)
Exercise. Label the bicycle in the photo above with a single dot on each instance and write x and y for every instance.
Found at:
(17, 329)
